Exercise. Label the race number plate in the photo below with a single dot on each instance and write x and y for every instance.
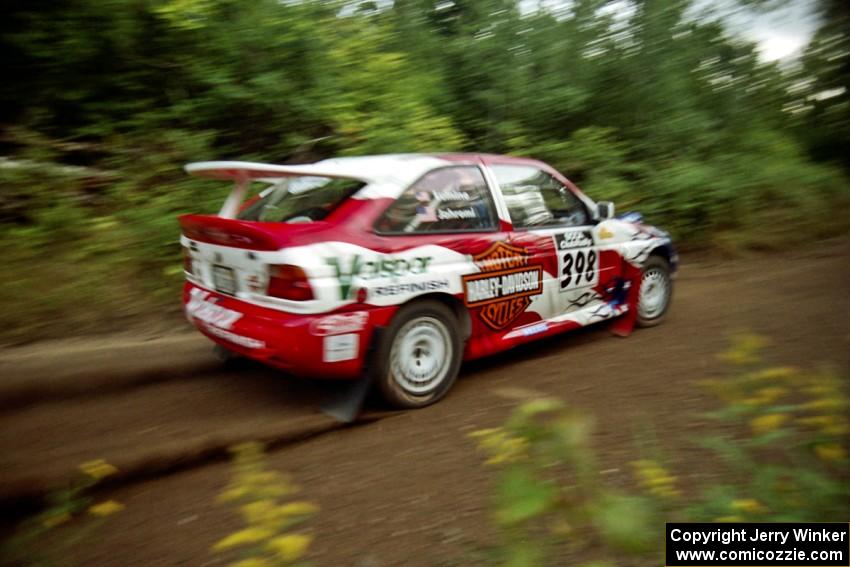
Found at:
(224, 280)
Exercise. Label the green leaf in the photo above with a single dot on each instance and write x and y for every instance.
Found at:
(627, 523)
(521, 496)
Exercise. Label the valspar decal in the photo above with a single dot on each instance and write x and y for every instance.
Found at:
(367, 269)
(207, 311)
(504, 287)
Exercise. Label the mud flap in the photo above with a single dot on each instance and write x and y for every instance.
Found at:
(223, 355)
(345, 404)
(624, 325)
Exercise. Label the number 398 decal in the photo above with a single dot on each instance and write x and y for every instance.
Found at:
(576, 260)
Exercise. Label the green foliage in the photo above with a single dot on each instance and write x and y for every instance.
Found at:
(779, 452)
(549, 492)
(91, 250)
(784, 434)
(26, 546)
(822, 99)
(661, 113)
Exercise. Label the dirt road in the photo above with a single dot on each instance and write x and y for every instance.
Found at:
(399, 488)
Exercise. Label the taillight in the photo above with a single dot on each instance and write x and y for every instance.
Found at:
(289, 282)
(187, 260)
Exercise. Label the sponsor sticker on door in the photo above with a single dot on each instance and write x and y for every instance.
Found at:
(505, 285)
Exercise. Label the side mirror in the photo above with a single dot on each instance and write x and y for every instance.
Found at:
(604, 210)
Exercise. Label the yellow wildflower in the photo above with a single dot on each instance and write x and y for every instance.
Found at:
(655, 479)
(728, 519)
(769, 395)
(56, 520)
(247, 536)
(538, 406)
(248, 451)
(233, 494)
(296, 509)
(253, 562)
(290, 547)
(825, 404)
(774, 374)
(98, 469)
(767, 423)
(263, 478)
(284, 512)
(483, 433)
(510, 450)
(494, 440)
(274, 491)
(820, 390)
(830, 452)
(748, 506)
(816, 420)
(827, 424)
(744, 350)
(106, 508)
(255, 512)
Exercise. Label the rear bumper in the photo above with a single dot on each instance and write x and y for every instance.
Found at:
(329, 345)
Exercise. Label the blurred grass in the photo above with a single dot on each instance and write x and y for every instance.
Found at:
(90, 255)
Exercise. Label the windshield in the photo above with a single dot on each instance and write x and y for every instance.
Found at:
(299, 199)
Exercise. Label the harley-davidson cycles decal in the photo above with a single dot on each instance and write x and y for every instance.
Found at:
(504, 287)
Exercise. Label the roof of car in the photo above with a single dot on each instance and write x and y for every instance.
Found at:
(486, 158)
(366, 168)
(384, 175)
(377, 167)
(382, 167)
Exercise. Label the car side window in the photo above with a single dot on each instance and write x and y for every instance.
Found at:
(535, 199)
(449, 199)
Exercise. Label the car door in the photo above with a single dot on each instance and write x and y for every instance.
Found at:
(547, 213)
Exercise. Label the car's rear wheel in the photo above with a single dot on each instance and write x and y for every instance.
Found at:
(656, 291)
(418, 356)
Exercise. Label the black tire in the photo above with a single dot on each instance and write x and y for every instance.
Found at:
(655, 271)
(432, 323)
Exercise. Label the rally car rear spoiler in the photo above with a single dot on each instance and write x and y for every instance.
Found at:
(239, 170)
(243, 172)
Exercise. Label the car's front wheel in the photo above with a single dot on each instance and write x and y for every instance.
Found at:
(656, 291)
(418, 356)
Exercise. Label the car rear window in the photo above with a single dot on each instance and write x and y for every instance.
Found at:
(299, 199)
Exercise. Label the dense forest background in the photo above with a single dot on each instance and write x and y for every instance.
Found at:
(650, 103)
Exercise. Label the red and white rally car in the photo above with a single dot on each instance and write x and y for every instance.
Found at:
(403, 266)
